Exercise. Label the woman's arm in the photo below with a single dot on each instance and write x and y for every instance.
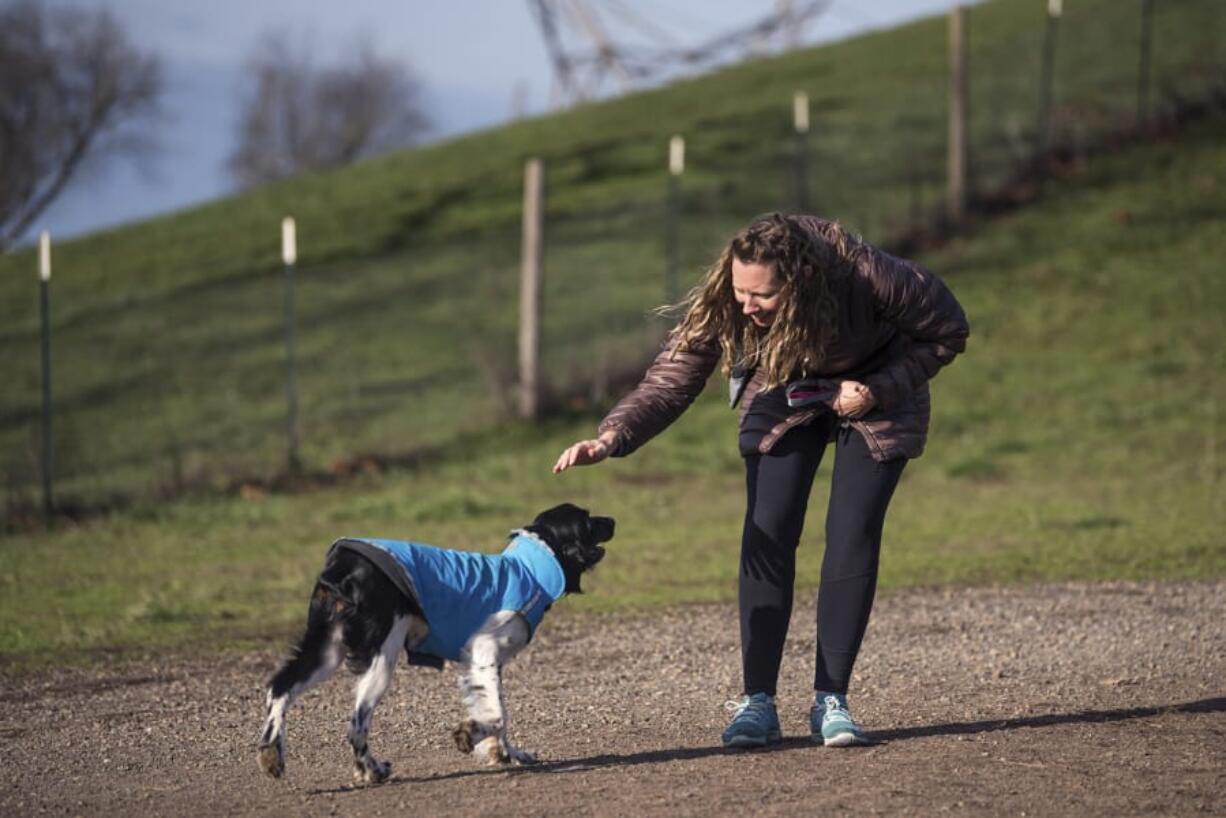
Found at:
(671, 384)
(922, 308)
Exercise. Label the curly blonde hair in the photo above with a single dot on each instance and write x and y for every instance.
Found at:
(796, 341)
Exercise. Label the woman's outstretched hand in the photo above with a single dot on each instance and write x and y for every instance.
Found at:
(854, 400)
(585, 452)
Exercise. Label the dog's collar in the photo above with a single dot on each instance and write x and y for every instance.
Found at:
(516, 533)
(538, 557)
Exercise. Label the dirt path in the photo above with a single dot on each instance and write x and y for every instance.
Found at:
(1071, 699)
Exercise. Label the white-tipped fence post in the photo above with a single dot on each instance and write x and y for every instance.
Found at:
(44, 288)
(672, 217)
(1145, 67)
(1047, 79)
(800, 123)
(955, 205)
(532, 250)
(289, 255)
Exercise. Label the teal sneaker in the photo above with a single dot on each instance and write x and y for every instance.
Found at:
(830, 722)
(754, 722)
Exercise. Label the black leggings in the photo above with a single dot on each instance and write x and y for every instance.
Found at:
(778, 494)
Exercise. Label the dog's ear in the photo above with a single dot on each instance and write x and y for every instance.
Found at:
(568, 522)
(561, 524)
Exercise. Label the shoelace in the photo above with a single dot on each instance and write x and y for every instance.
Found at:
(835, 710)
(737, 707)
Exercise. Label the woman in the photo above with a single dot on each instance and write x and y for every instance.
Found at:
(827, 340)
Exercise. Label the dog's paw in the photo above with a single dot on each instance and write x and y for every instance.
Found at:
(272, 759)
(463, 736)
(491, 752)
(372, 772)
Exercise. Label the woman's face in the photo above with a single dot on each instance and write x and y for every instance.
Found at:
(757, 290)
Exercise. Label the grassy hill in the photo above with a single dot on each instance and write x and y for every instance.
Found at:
(167, 334)
(1078, 438)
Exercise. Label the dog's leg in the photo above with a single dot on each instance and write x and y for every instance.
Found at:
(313, 661)
(370, 688)
(484, 733)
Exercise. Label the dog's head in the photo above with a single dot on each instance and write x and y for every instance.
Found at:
(574, 536)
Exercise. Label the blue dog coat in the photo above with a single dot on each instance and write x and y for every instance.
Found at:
(459, 590)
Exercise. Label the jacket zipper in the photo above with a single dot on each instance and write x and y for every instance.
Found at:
(868, 436)
(781, 429)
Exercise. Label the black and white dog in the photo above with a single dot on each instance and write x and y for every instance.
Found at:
(376, 598)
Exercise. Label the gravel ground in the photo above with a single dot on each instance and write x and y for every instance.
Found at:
(1104, 699)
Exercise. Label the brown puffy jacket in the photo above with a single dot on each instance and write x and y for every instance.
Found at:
(898, 325)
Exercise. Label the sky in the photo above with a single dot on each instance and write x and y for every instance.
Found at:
(476, 60)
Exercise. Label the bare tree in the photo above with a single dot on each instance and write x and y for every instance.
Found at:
(297, 117)
(73, 92)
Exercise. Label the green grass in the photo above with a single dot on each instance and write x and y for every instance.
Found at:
(168, 335)
(1077, 439)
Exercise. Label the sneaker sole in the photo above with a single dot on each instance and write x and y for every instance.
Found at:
(848, 739)
(749, 742)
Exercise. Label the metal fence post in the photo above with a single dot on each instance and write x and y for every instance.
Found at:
(1047, 78)
(672, 218)
(1145, 67)
(800, 123)
(289, 255)
(44, 293)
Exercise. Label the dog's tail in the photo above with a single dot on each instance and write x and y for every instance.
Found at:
(353, 607)
(310, 654)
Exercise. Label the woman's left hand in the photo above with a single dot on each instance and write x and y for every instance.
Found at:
(854, 400)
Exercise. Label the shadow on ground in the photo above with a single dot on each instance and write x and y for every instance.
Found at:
(610, 760)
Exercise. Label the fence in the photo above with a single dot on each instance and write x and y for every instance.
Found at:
(173, 376)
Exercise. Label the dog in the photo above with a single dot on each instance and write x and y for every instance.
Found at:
(375, 598)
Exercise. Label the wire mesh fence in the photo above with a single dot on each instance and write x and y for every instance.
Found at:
(169, 351)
